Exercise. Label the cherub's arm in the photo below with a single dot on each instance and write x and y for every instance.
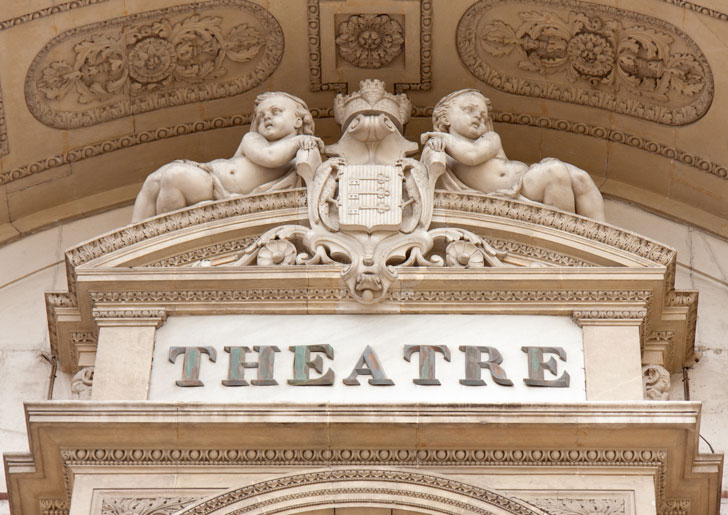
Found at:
(265, 153)
(277, 153)
(469, 152)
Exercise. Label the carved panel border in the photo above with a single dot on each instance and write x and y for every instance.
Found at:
(48, 11)
(582, 53)
(75, 4)
(389, 457)
(151, 60)
(438, 296)
(314, 52)
(4, 144)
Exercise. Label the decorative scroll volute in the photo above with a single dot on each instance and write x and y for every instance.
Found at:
(587, 54)
(143, 62)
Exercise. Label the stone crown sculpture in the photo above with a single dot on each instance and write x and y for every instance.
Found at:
(370, 206)
(372, 97)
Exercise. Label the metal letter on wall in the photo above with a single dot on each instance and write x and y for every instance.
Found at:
(536, 366)
(473, 366)
(427, 361)
(302, 365)
(265, 363)
(369, 364)
(191, 364)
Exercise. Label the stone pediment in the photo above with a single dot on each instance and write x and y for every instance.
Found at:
(554, 263)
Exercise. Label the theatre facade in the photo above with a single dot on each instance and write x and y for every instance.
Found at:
(369, 307)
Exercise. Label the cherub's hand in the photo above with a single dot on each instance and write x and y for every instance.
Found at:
(311, 143)
(435, 141)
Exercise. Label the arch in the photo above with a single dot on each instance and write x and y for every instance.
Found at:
(365, 487)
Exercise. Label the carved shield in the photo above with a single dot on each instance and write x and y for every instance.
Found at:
(370, 197)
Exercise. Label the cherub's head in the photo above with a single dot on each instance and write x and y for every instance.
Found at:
(278, 115)
(465, 113)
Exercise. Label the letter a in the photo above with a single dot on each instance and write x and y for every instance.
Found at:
(368, 364)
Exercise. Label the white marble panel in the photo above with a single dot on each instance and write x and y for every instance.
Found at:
(387, 335)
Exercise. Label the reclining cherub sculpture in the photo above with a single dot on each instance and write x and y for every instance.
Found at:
(476, 160)
(281, 125)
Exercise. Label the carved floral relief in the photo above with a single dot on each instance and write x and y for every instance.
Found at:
(369, 40)
(163, 58)
(587, 54)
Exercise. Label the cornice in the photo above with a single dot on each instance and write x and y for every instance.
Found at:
(523, 212)
(400, 296)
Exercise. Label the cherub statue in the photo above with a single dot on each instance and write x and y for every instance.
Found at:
(476, 160)
(281, 125)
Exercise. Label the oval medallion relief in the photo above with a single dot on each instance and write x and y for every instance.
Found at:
(143, 62)
(588, 54)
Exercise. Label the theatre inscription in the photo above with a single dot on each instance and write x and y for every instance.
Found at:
(368, 364)
(368, 358)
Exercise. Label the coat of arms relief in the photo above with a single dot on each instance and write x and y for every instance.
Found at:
(370, 206)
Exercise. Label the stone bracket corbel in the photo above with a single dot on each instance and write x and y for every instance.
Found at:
(83, 348)
(658, 348)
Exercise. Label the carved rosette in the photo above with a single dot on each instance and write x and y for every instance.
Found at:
(588, 54)
(143, 62)
(369, 40)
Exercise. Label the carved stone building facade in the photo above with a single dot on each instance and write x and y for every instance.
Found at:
(298, 349)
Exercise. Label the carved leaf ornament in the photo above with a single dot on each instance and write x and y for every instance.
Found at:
(587, 54)
(145, 505)
(139, 63)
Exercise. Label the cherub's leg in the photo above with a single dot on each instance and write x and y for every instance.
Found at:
(182, 184)
(549, 182)
(588, 199)
(145, 205)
